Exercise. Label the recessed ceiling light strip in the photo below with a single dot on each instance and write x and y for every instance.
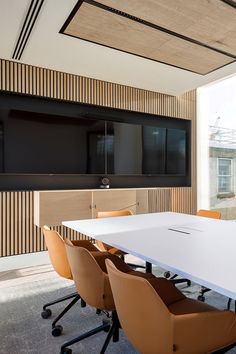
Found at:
(30, 19)
(159, 28)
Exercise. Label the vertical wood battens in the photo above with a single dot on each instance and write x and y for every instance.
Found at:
(159, 200)
(18, 234)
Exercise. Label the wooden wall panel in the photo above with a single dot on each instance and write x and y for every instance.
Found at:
(17, 233)
(159, 200)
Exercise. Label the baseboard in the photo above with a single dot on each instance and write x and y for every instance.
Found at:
(23, 260)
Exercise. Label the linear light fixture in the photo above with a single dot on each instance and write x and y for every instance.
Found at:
(29, 22)
(230, 2)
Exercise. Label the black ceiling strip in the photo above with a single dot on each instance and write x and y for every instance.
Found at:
(230, 2)
(159, 28)
(30, 30)
(22, 29)
(71, 15)
(27, 28)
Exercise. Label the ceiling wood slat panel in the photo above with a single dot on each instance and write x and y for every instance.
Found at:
(212, 22)
(104, 27)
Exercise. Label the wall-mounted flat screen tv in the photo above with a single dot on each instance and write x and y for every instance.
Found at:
(48, 144)
(50, 137)
(142, 149)
(40, 143)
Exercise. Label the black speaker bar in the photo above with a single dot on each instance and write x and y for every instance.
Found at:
(29, 22)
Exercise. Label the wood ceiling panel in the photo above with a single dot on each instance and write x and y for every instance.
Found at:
(212, 22)
(107, 28)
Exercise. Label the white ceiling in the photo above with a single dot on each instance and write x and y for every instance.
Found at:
(50, 49)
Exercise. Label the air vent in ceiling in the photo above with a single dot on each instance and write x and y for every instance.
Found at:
(29, 22)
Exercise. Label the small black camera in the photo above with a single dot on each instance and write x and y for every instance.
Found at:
(104, 182)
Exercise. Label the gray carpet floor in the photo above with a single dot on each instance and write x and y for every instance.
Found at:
(23, 331)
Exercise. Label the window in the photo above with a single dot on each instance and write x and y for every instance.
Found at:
(216, 145)
(224, 175)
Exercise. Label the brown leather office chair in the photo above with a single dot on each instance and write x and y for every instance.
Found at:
(92, 282)
(109, 214)
(213, 214)
(105, 247)
(57, 254)
(168, 322)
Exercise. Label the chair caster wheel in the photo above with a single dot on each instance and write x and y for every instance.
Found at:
(188, 282)
(98, 312)
(57, 331)
(46, 313)
(201, 298)
(167, 275)
(66, 351)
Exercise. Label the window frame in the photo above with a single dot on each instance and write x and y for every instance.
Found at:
(230, 175)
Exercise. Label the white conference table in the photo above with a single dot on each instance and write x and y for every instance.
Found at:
(200, 249)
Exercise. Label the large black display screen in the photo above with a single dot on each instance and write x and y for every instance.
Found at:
(135, 149)
(55, 144)
(48, 144)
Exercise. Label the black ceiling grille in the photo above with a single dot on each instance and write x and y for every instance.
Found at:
(30, 19)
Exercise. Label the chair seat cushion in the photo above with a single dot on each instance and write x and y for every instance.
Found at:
(85, 244)
(119, 263)
(205, 331)
(187, 305)
(102, 256)
(107, 248)
(166, 290)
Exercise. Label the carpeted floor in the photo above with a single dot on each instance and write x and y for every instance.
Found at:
(23, 331)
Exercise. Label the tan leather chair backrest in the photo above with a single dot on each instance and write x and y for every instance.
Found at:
(108, 214)
(209, 214)
(91, 282)
(114, 213)
(57, 252)
(144, 317)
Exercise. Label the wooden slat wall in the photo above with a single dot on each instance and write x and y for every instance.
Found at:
(159, 200)
(17, 233)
